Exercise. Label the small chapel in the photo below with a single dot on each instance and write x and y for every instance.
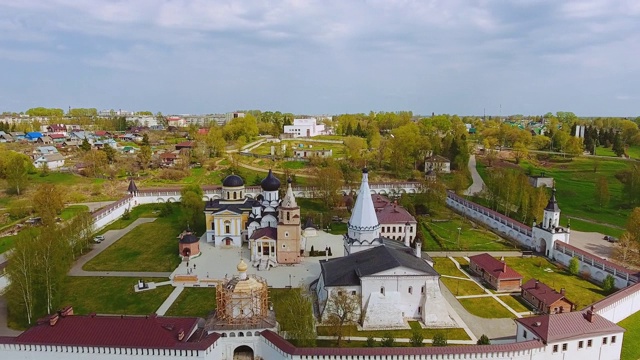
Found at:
(270, 226)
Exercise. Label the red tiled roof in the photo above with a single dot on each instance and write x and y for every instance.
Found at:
(494, 266)
(185, 144)
(269, 232)
(290, 349)
(57, 127)
(569, 325)
(168, 155)
(542, 292)
(57, 136)
(120, 331)
(203, 131)
(388, 212)
(101, 132)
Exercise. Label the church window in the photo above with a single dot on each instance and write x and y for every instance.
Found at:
(613, 339)
(604, 340)
(227, 227)
(288, 216)
(228, 195)
(284, 246)
(382, 290)
(235, 195)
(555, 348)
(564, 347)
(286, 234)
(410, 289)
(422, 290)
(339, 292)
(394, 229)
(580, 344)
(353, 293)
(419, 309)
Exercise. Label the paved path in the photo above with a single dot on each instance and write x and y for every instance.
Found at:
(111, 237)
(93, 206)
(169, 301)
(478, 183)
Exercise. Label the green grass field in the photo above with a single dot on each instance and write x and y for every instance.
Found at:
(486, 307)
(444, 266)
(71, 211)
(633, 152)
(148, 247)
(603, 151)
(630, 348)
(578, 290)
(140, 211)
(515, 302)
(7, 242)
(468, 238)
(112, 295)
(460, 287)
(198, 302)
(452, 334)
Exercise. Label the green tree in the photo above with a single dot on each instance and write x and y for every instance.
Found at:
(144, 157)
(327, 184)
(633, 225)
(48, 202)
(16, 171)
(193, 206)
(371, 342)
(574, 266)
(85, 146)
(21, 272)
(609, 284)
(145, 139)
(298, 317)
(602, 195)
(342, 309)
(439, 339)
(484, 340)
(417, 338)
(618, 146)
(110, 152)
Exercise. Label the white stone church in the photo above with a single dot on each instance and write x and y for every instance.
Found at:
(392, 280)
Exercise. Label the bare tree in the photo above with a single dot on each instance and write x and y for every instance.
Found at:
(342, 310)
(53, 261)
(21, 272)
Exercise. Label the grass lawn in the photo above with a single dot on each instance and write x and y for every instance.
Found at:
(468, 238)
(112, 295)
(603, 151)
(140, 211)
(59, 178)
(459, 287)
(351, 330)
(444, 266)
(585, 226)
(578, 290)
(294, 164)
(630, 348)
(486, 307)
(148, 247)
(198, 302)
(515, 302)
(277, 297)
(462, 261)
(633, 152)
(71, 211)
(6, 242)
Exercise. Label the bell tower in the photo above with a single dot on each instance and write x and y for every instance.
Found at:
(289, 230)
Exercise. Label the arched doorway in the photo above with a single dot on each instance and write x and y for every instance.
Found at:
(243, 352)
(186, 252)
(542, 247)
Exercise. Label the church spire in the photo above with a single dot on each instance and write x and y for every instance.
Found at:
(289, 200)
(553, 203)
(363, 221)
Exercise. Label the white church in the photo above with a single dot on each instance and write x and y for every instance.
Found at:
(392, 280)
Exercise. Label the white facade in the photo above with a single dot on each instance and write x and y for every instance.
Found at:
(53, 161)
(304, 128)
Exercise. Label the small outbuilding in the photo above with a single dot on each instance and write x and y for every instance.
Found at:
(495, 272)
(189, 245)
(545, 299)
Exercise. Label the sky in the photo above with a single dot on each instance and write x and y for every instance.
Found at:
(322, 57)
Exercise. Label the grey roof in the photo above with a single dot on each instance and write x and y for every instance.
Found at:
(233, 180)
(553, 203)
(348, 270)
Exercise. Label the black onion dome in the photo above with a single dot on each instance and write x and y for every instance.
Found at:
(189, 239)
(270, 183)
(233, 180)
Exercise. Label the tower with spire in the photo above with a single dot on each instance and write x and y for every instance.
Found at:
(363, 229)
(289, 230)
(548, 231)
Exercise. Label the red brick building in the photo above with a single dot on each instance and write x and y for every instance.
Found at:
(545, 299)
(495, 272)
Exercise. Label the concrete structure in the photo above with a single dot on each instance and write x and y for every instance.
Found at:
(304, 128)
(540, 181)
(309, 153)
(494, 272)
(545, 299)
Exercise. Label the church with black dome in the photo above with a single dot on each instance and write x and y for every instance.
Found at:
(271, 232)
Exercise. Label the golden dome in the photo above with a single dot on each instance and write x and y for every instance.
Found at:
(242, 266)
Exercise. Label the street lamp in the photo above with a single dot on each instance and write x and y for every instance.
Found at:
(459, 229)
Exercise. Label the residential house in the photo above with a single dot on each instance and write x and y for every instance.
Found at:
(545, 299)
(73, 128)
(72, 143)
(44, 139)
(495, 272)
(168, 158)
(102, 134)
(81, 135)
(439, 164)
(128, 150)
(33, 136)
(45, 150)
(105, 142)
(176, 121)
(57, 138)
(130, 137)
(53, 161)
(309, 153)
(57, 129)
(17, 135)
(4, 137)
(185, 145)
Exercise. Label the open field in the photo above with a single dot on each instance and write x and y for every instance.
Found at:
(578, 290)
(630, 348)
(71, 211)
(140, 211)
(515, 302)
(265, 148)
(486, 307)
(461, 287)
(444, 266)
(148, 247)
(198, 302)
(467, 238)
(6, 243)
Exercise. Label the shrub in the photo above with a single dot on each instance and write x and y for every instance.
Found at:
(574, 266)
(484, 340)
(387, 340)
(609, 284)
(416, 338)
(171, 174)
(166, 210)
(371, 342)
(126, 215)
(439, 339)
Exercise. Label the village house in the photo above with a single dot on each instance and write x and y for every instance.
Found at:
(185, 145)
(33, 136)
(4, 137)
(57, 138)
(57, 129)
(437, 163)
(45, 140)
(495, 272)
(545, 299)
(53, 161)
(45, 150)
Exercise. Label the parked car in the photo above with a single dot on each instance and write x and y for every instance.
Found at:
(612, 239)
(98, 239)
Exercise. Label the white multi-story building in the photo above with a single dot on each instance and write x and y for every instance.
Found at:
(304, 128)
(395, 221)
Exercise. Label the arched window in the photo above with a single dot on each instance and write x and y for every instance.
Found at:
(235, 195)
(228, 195)
(227, 227)
(382, 290)
(422, 290)
(410, 289)
(288, 216)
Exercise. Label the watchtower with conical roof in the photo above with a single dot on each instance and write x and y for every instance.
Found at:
(548, 231)
(363, 229)
(289, 230)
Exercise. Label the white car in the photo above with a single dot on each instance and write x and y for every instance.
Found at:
(98, 239)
